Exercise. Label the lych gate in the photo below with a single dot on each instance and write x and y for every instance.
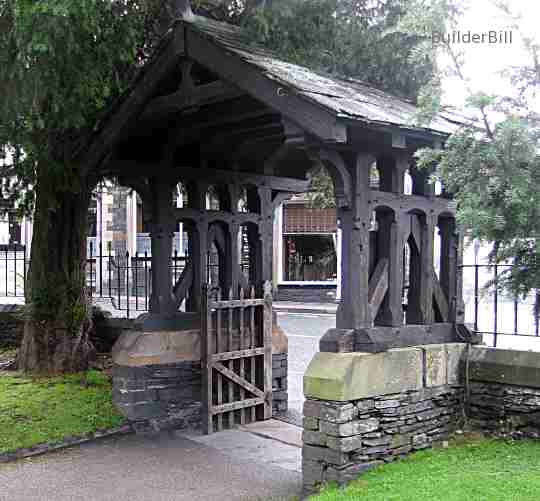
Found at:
(239, 129)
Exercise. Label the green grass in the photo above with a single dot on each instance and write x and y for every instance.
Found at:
(34, 411)
(487, 470)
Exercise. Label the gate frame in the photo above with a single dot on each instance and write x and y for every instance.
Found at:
(212, 361)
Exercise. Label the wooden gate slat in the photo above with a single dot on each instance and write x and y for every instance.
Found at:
(241, 404)
(232, 390)
(267, 340)
(229, 355)
(238, 380)
(206, 342)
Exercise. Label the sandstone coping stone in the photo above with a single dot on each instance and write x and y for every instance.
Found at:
(505, 366)
(436, 363)
(137, 348)
(354, 376)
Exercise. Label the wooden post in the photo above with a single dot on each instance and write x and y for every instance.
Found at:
(426, 285)
(353, 311)
(199, 247)
(206, 361)
(448, 263)
(267, 336)
(390, 246)
(266, 230)
(232, 260)
(162, 299)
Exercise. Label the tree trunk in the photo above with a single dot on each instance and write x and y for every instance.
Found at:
(58, 320)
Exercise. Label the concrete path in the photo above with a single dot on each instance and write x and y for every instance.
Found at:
(243, 464)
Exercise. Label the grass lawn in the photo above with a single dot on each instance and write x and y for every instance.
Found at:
(33, 411)
(489, 470)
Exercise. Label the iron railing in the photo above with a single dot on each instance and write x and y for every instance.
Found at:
(492, 313)
(125, 281)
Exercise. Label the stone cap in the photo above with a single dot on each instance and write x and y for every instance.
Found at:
(353, 376)
(496, 365)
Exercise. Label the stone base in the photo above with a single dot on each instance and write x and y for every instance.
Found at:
(157, 372)
(365, 409)
(343, 440)
(159, 397)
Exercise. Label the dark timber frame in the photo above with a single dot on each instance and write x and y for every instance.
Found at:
(209, 110)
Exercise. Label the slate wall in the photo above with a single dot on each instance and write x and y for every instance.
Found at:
(11, 326)
(168, 396)
(343, 440)
(504, 392)
(363, 409)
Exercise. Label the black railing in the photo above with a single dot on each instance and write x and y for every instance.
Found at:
(492, 313)
(125, 281)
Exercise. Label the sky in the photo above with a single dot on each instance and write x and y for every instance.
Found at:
(483, 62)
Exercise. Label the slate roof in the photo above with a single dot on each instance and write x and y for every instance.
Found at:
(346, 98)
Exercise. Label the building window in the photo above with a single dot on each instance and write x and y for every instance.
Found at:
(309, 258)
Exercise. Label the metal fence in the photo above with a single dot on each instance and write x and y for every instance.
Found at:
(501, 320)
(125, 282)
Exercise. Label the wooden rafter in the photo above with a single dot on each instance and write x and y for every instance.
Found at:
(190, 98)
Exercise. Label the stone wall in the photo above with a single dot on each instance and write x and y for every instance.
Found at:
(157, 374)
(280, 396)
(159, 397)
(107, 329)
(504, 392)
(11, 326)
(363, 409)
(342, 440)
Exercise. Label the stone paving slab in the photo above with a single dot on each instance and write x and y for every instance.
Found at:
(276, 430)
(234, 465)
(255, 449)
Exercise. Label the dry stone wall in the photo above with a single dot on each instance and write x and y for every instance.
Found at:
(504, 392)
(342, 440)
(363, 410)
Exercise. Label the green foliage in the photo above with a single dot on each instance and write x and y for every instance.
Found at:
(483, 470)
(494, 180)
(321, 194)
(34, 411)
(346, 38)
(493, 168)
(61, 63)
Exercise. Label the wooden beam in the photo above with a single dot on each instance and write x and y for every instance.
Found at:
(135, 169)
(405, 203)
(236, 70)
(232, 355)
(188, 99)
(416, 231)
(440, 298)
(183, 284)
(378, 286)
(134, 103)
(277, 183)
(242, 404)
(238, 380)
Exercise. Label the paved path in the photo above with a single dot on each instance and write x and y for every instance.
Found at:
(304, 331)
(257, 462)
(247, 464)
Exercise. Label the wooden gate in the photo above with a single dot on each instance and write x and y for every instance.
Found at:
(236, 358)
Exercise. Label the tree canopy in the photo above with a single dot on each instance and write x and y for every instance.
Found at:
(493, 167)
